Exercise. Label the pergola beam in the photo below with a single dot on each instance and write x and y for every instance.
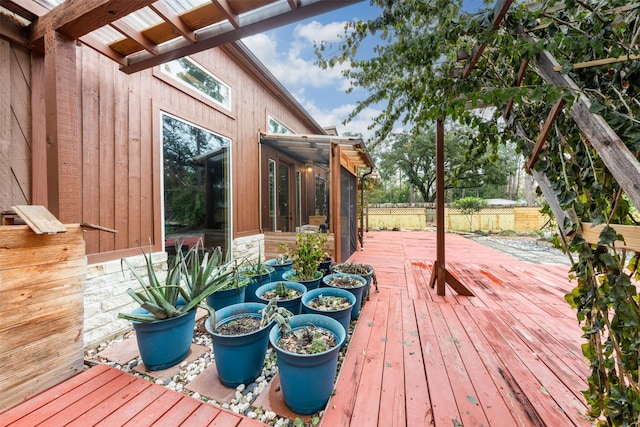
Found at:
(78, 18)
(263, 19)
(499, 11)
(226, 9)
(544, 133)
(173, 19)
(622, 164)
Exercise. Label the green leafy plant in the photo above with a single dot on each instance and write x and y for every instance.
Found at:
(470, 205)
(256, 268)
(308, 254)
(189, 277)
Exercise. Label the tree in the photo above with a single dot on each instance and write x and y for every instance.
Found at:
(415, 75)
(470, 205)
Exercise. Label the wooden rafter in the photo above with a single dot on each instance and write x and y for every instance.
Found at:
(519, 78)
(173, 20)
(499, 11)
(624, 166)
(135, 36)
(292, 4)
(598, 62)
(268, 17)
(77, 18)
(228, 12)
(542, 137)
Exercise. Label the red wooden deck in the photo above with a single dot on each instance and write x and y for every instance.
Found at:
(508, 356)
(104, 396)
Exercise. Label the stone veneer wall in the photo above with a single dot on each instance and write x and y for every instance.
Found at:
(107, 283)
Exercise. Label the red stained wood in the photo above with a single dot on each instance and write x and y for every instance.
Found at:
(393, 387)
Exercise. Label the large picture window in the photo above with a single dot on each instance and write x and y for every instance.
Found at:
(197, 185)
(190, 73)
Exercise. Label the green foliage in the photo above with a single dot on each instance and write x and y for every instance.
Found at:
(308, 254)
(469, 206)
(410, 74)
(190, 277)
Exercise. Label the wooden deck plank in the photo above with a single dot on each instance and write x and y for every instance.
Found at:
(555, 404)
(178, 413)
(486, 393)
(393, 388)
(521, 408)
(417, 400)
(340, 406)
(367, 403)
(56, 402)
(94, 406)
(116, 412)
(19, 411)
(443, 402)
(465, 395)
(152, 412)
(202, 416)
(225, 419)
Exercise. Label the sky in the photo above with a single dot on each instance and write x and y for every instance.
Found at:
(289, 54)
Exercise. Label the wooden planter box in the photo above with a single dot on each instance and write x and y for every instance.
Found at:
(41, 310)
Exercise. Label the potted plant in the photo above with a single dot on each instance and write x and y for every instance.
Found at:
(333, 302)
(286, 294)
(306, 259)
(350, 282)
(165, 321)
(239, 336)
(307, 348)
(364, 270)
(232, 293)
(325, 264)
(257, 273)
(282, 263)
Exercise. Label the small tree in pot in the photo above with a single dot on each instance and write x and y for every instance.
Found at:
(308, 254)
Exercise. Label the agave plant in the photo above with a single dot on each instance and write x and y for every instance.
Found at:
(190, 280)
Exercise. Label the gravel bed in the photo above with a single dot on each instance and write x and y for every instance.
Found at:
(527, 249)
(245, 395)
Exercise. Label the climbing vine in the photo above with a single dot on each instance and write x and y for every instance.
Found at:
(417, 73)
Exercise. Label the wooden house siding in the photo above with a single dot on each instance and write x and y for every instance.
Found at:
(119, 147)
(15, 125)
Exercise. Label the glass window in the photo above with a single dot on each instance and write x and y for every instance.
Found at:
(272, 195)
(277, 127)
(197, 185)
(188, 72)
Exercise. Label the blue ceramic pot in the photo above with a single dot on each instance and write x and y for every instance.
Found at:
(357, 291)
(343, 316)
(164, 343)
(325, 266)
(307, 379)
(294, 305)
(226, 297)
(239, 358)
(309, 284)
(255, 281)
(280, 269)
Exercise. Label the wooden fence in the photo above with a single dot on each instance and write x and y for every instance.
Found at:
(494, 219)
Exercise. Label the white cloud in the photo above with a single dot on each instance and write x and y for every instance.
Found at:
(315, 32)
(295, 64)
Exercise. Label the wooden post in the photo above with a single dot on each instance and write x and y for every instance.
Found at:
(334, 201)
(440, 275)
(64, 150)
